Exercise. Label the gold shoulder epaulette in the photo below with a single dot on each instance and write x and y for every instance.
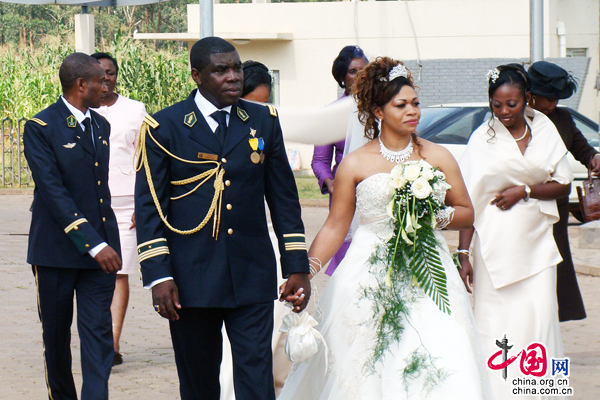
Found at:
(272, 110)
(151, 121)
(38, 121)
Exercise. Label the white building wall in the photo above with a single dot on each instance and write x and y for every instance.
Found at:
(406, 30)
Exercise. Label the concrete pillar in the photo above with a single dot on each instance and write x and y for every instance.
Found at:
(537, 30)
(207, 27)
(84, 33)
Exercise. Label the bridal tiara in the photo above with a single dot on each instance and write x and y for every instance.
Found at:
(396, 72)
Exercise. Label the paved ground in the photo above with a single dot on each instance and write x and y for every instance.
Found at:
(149, 369)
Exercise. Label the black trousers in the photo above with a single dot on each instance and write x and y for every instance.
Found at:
(94, 289)
(570, 302)
(198, 346)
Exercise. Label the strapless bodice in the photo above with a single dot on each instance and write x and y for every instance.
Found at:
(372, 198)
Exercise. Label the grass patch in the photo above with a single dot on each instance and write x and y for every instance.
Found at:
(308, 188)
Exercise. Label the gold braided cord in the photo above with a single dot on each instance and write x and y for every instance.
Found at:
(214, 211)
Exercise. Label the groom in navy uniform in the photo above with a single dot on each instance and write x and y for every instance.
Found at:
(73, 239)
(206, 166)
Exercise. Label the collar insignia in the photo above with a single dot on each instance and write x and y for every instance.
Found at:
(71, 121)
(242, 114)
(69, 145)
(190, 119)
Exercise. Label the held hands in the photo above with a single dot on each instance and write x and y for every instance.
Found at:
(466, 271)
(509, 197)
(109, 260)
(296, 290)
(165, 298)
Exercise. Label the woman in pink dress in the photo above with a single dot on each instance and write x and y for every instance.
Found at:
(125, 117)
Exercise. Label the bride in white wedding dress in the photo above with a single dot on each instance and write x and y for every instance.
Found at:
(449, 363)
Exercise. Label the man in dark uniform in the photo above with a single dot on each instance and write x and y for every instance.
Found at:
(206, 166)
(73, 239)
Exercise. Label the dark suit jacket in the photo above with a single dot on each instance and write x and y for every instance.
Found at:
(71, 211)
(574, 140)
(570, 302)
(239, 267)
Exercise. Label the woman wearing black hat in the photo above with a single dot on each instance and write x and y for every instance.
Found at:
(550, 83)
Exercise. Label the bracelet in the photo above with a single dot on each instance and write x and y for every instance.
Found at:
(463, 251)
(314, 262)
(527, 193)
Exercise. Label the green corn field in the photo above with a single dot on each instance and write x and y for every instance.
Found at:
(29, 77)
(29, 83)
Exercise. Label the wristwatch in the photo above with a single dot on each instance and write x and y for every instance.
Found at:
(527, 193)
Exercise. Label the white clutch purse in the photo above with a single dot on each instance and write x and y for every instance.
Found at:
(303, 339)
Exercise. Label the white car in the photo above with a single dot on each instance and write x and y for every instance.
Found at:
(451, 125)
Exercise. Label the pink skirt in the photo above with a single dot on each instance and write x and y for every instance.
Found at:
(123, 206)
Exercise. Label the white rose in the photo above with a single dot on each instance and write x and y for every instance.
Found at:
(412, 171)
(397, 170)
(421, 188)
(398, 181)
(425, 165)
(427, 173)
(440, 174)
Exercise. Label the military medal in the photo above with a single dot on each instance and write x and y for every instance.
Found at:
(254, 157)
(261, 147)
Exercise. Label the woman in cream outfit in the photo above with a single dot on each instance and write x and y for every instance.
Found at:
(515, 167)
(125, 117)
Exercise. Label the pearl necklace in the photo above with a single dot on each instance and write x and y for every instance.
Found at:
(525, 134)
(395, 156)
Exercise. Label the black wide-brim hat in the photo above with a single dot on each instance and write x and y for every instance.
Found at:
(551, 81)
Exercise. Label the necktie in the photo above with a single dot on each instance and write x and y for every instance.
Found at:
(221, 118)
(87, 135)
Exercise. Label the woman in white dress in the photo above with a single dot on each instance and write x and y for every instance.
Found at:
(385, 94)
(515, 166)
(125, 117)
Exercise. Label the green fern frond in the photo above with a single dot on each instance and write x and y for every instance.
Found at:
(428, 269)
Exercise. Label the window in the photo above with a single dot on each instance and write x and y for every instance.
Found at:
(577, 52)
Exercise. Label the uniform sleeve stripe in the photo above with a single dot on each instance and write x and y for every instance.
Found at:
(295, 247)
(73, 224)
(149, 242)
(294, 238)
(153, 253)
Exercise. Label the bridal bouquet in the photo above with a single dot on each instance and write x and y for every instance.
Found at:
(411, 256)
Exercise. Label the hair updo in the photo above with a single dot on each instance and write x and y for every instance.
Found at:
(510, 74)
(342, 62)
(373, 90)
